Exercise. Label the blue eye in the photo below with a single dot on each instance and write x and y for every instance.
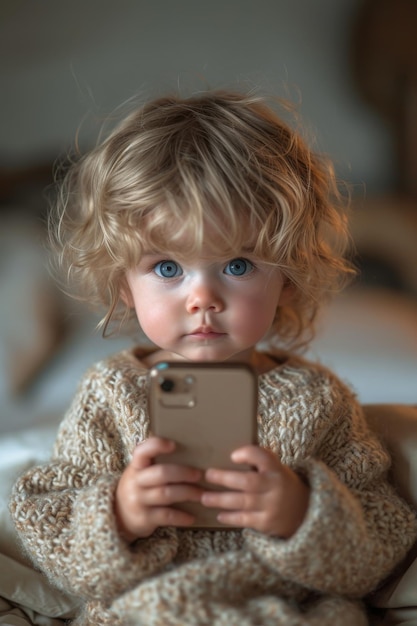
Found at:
(238, 267)
(168, 269)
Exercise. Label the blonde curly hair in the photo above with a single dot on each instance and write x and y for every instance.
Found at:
(218, 162)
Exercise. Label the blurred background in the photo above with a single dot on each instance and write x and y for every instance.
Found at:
(351, 65)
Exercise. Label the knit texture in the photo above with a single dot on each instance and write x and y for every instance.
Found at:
(355, 531)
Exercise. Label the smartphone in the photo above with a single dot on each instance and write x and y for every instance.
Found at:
(209, 410)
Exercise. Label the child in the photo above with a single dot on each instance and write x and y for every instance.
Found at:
(213, 222)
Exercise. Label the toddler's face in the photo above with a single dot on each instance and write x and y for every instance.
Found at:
(205, 309)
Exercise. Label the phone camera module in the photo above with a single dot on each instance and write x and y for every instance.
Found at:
(167, 385)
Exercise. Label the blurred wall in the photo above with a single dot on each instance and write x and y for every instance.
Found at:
(62, 62)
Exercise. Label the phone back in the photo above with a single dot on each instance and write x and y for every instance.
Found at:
(209, 410)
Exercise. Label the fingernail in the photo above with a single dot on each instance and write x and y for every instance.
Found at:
(205, 498)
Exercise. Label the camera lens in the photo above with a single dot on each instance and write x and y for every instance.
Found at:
(167, 385)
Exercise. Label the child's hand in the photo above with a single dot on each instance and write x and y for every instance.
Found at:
(271, 499)
(147, 490)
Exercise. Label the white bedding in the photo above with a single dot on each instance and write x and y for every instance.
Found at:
(369, 337)
(25, 595)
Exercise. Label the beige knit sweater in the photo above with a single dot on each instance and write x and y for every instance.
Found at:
(355, 531)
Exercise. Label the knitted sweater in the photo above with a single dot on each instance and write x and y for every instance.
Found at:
(355, 531)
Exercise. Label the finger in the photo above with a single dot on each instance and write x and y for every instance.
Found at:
(231, 501)
(240, 519)
(239, 480)
(260, 458)
(160, 474)
(164, 516)
(146, 451)
(169, 516)
(170, 494)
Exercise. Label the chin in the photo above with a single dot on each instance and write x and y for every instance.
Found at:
(216, 356)
(209, 356)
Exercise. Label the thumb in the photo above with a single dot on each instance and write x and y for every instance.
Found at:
(261, 459)
(146, 451)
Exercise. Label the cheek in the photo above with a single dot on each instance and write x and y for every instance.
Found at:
(148, 316)
(155, 320)
(258, 310)
(263, 301)
(255, 315)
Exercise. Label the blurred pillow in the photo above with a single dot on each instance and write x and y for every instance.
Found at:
(30, 306)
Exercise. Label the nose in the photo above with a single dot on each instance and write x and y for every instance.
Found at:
(204, 296)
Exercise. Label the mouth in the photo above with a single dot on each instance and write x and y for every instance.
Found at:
(206, 332)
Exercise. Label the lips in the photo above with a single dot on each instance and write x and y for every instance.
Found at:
(206, 332)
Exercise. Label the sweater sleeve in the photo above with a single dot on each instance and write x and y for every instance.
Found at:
(64, 511)
(356, 528)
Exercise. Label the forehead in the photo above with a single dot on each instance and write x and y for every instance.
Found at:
(206, 238)
(185, 249)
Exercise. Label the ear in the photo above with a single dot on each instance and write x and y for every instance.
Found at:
(287, 293)
(126, 295)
